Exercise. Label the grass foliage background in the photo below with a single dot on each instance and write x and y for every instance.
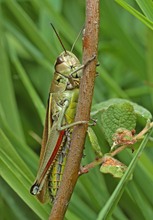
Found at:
(28, 49)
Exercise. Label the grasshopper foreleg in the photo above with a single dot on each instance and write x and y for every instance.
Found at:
(82, 66)
(61, 127)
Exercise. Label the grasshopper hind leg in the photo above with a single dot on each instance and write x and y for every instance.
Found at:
(56, 173)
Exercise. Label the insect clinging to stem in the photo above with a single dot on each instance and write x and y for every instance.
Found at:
(59, 122)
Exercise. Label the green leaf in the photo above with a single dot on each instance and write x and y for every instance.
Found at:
(94, 142)
(117, 116)
(113, 166)
(139, 110)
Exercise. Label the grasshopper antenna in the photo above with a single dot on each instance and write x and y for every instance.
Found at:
(58, 37)
(77, 38)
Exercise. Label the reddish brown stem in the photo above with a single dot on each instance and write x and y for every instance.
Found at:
(86, 168)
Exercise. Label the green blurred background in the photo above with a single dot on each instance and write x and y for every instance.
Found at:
(28, 49)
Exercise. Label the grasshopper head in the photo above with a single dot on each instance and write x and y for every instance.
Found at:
(67, 73)
(66, 63)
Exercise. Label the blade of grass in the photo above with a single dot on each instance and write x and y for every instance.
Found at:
(137, 14)
(30, 28)
(141, 173)
(147, 8)
(27, 45)
(60, 21)
(18, 176)
(126, 45)
(7, 96)
(113, 85)
(26, 82)
(21, 148)
(142, 202)
(128, 205)
(149, 54)
(137, 92)
(15, 206)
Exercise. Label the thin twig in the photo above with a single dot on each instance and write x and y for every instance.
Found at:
(100, 160)
(144, 131)
(90, 45)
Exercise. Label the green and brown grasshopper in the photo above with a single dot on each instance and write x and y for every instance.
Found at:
(61, 110)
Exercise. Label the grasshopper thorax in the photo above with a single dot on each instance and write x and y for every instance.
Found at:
(66, 63)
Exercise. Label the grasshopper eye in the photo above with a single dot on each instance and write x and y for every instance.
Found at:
(59, 61)
(61, 65)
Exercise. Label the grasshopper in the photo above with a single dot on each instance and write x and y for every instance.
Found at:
(61, 110)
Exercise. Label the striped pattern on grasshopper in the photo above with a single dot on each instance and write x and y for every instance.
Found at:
(61, 110)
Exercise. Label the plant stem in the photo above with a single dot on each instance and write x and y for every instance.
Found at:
(100, 160)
